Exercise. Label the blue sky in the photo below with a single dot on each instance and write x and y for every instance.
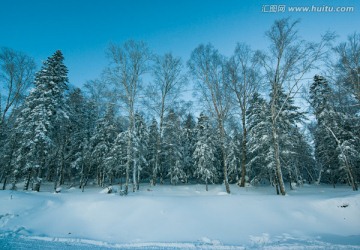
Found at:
(83, 29)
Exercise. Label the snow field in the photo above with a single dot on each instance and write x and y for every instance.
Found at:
(186, 217)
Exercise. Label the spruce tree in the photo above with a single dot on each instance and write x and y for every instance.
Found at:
(303, 164)
(44, 109)
(101, 143)
(172, 149)
(204, 155)
(117, 157)
(261, 159)
(140, 146)
(188, 144)
(82, 124)
(335, 143)
(287, 117)
(153, 142)
(234, 158)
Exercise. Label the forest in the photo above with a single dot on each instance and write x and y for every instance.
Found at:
(284, 116)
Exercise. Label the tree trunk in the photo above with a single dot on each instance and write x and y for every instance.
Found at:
(278, 172)
(103, 175)
(138, 180)
(36, 186)
(154, 174)
(82, 176)
(226, 180)
(60, 176)
(351, 178)
(83, 186)
(135, 176)
(128, 162)
(4, 185)
(111, 178)
(319, 177)
(276, 183)
(40, 170)
(156, 169)
(13, 181)
(244, 153)
(27, 180)
(62, 170)
(290, 180)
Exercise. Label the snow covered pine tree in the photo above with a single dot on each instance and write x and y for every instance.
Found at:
(204, 151)
(44, 109)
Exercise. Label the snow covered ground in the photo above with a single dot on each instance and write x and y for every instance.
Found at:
(181, 217)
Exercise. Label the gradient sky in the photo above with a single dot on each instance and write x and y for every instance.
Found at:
(83, 29)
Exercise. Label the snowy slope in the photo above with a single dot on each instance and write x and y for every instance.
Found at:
(182, 217)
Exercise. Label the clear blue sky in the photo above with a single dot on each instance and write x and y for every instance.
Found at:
(82, 29)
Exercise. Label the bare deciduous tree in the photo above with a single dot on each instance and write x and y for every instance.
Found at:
(128, 63)
(348, 66)
(162, 95)
(244, 81)
(286, 64)
(207, 67)
(16, 75)
(99, 92)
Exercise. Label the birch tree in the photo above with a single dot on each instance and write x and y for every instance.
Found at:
(162, 95)
(207, 68)
(244, 81)
(16, 75)
(286, 64)
(128, 63)
(348, 65)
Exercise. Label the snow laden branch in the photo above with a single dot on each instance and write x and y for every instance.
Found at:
(343, 157)
(285, 65)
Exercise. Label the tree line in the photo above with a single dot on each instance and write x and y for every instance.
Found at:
(133, 125)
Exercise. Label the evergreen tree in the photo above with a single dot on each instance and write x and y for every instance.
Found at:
(76, 104)
(172, 149)
(8, 151)
(83, 159)
(82, 125)
(101, 143)
(302, 161)
(44, 110)
(188, 144)
(234, 157)
(288, 115)
(335, 144)
(117, 157)
(325, 143)
(204, 152)
(261, 160)
(140, 144)
(152, 151)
